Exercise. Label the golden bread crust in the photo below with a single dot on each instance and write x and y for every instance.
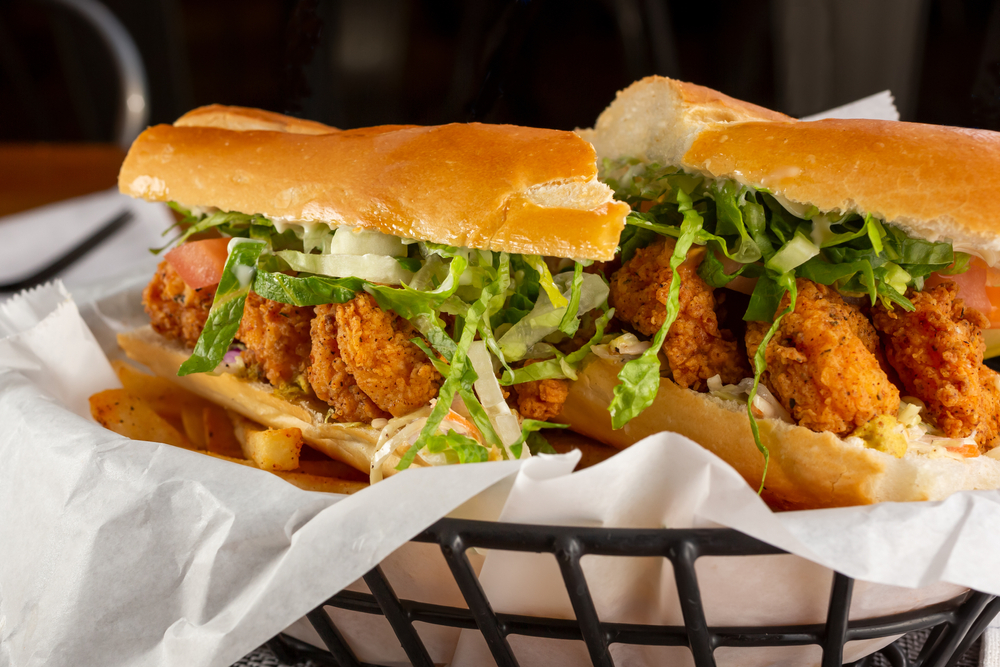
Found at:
(354, 445)
(806, 469)
(495, 187)
(933, 182)
(245, 118)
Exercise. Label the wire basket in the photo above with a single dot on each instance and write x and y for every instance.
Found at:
(954, 624)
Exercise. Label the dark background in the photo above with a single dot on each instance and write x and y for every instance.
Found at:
(549, 63)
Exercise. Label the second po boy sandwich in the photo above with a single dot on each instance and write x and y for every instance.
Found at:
(808, 300)
(382, 289)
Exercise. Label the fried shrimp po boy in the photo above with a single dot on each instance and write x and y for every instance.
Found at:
(809, 300)
(403, 295)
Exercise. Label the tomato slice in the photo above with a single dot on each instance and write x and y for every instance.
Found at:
(200, 263)
(974, 287)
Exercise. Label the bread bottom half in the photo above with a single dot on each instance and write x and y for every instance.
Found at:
(806, 469)
(355, 445)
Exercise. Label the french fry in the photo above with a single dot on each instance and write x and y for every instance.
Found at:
(219, 436)
(242, 427)
(275, 449)
(122, 412)
(305, 481)
(193, 419)
(165, 397)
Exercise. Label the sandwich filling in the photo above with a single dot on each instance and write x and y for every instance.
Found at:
(831, 320)
(456, 354)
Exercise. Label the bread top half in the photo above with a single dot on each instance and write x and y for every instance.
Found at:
(495, 187)
(933, 182)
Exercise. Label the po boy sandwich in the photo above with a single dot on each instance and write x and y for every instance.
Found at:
(383, 289)
(808, 300)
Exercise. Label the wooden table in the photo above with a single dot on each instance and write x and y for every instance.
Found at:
(35, 174)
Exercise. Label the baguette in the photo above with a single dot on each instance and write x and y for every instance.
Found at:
(934, 183)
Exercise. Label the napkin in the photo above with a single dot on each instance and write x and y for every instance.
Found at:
(34, 238)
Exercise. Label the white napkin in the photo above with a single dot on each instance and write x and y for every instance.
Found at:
(35, 238)
(880, 106)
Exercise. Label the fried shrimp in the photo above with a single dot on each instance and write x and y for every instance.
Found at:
(988, 428)
(328, 374)
(938, 350)
(376, 348)
(696, 348)
(277, 339)
(176, 310)
(541, 399)
(819, 363)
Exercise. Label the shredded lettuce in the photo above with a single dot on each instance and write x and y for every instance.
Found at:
(227, 308)
(563, 366)
(640, 378)
(530, 434)
(546, 281)
(306, 290)
(457, 448)
(545, 317)
(459, 372)
(786, 282)
(571, 320)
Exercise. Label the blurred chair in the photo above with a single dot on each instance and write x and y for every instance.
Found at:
(132, 108)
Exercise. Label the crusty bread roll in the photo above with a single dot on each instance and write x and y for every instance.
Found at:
(933, 182)
(355, 445)
(495, 187)
(806, 470)
(245, 119)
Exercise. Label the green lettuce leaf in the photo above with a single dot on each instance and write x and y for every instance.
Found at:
(557, 368)
(227, 308)
(464, 448)
(529, 428)
(571, 320)
(306, 290)
(640, 378)
(785, 282)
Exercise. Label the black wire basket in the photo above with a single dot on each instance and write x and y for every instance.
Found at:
(954, 625)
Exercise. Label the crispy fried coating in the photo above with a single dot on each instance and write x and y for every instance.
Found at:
(277, 338)
(696, 348)
(818, 365)
(328, 374)
(988, 429)
(937, 350)
(175, 310)
(376, 348)
(540, 399)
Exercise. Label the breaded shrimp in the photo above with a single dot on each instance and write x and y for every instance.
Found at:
(328, 374)
(376, 348)
(818, 365)
(277, 338)
(696, 348)
(988, 428)
(540, 399)
(175, 310)
(937, 350)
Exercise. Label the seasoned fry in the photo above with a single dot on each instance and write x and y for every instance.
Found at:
(129, 415)
(165, 397)
(275, 449)
(193, 419)
(305, 481)
(219, 436)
